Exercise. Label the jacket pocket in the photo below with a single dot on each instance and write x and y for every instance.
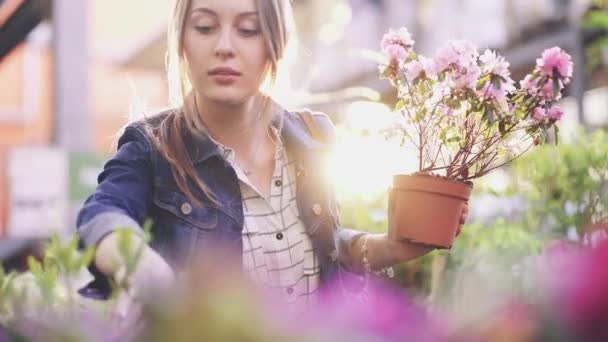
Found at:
(180, 225)
(176, 205)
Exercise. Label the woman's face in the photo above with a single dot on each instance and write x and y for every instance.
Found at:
(225, 50)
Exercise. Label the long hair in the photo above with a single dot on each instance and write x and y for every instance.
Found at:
(276, 23)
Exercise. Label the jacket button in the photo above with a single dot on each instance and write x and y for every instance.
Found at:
(186, 209)
(317, 209)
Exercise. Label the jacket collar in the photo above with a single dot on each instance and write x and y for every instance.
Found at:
(295, 136)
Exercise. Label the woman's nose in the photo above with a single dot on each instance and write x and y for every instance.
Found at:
(225, 48)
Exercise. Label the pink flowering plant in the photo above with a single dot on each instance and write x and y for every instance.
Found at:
(463, 112)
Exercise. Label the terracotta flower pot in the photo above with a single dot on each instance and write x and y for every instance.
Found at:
(426, 209)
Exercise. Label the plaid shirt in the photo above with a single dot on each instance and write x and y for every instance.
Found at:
(277, 252)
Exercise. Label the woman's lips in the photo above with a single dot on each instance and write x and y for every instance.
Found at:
(224, 75)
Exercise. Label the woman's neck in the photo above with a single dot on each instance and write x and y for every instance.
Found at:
(233, 125)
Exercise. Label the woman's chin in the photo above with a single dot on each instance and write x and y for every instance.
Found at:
(229, 98)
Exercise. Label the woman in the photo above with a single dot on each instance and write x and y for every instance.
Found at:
(229, 172)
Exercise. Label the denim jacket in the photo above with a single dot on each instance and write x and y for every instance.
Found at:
(137, 184)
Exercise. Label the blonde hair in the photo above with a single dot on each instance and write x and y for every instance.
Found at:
(276, 24)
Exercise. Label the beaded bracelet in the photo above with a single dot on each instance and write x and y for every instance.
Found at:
(367, 267)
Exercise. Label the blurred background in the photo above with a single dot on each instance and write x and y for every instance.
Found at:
(72, 73)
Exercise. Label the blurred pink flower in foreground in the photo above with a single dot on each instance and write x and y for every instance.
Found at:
(384, 313)
(579, 283)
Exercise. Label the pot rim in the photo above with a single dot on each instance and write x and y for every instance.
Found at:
(435, 176)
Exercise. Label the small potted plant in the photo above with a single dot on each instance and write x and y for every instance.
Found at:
(464, 115)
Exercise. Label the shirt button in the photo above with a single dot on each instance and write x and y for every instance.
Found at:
(279, 236)
(290, 290)
(317, 209)
(186, 209)
(278, 183)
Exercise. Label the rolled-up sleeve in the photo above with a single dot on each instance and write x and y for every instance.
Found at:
(122, 197)
(345, 242)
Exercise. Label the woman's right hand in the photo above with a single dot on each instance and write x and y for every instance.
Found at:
(151, 275)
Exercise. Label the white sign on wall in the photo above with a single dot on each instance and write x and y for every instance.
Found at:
(38, 192)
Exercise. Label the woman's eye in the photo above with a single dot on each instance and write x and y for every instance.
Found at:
(204, 29)
(248, 32)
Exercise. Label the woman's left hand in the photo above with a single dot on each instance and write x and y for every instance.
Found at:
(387, 249)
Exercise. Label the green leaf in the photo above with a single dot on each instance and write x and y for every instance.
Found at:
(33, 265)
(86, 258)
(596, 19)
(400, 105)
(556, 89)
(420, 114)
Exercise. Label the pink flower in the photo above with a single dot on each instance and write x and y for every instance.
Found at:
(556, 113)
(489, 91)
(423, 67)
(429, 67)
(529, 85)
(495, 64)
(462, 57)
(396, 53)
(445, 57)
(540, 114)
(401, 37)
(467, 54)
(555, 59)
(468, 78)
(413, 70)
(547, 92)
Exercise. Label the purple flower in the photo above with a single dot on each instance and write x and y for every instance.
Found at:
(556, 60)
